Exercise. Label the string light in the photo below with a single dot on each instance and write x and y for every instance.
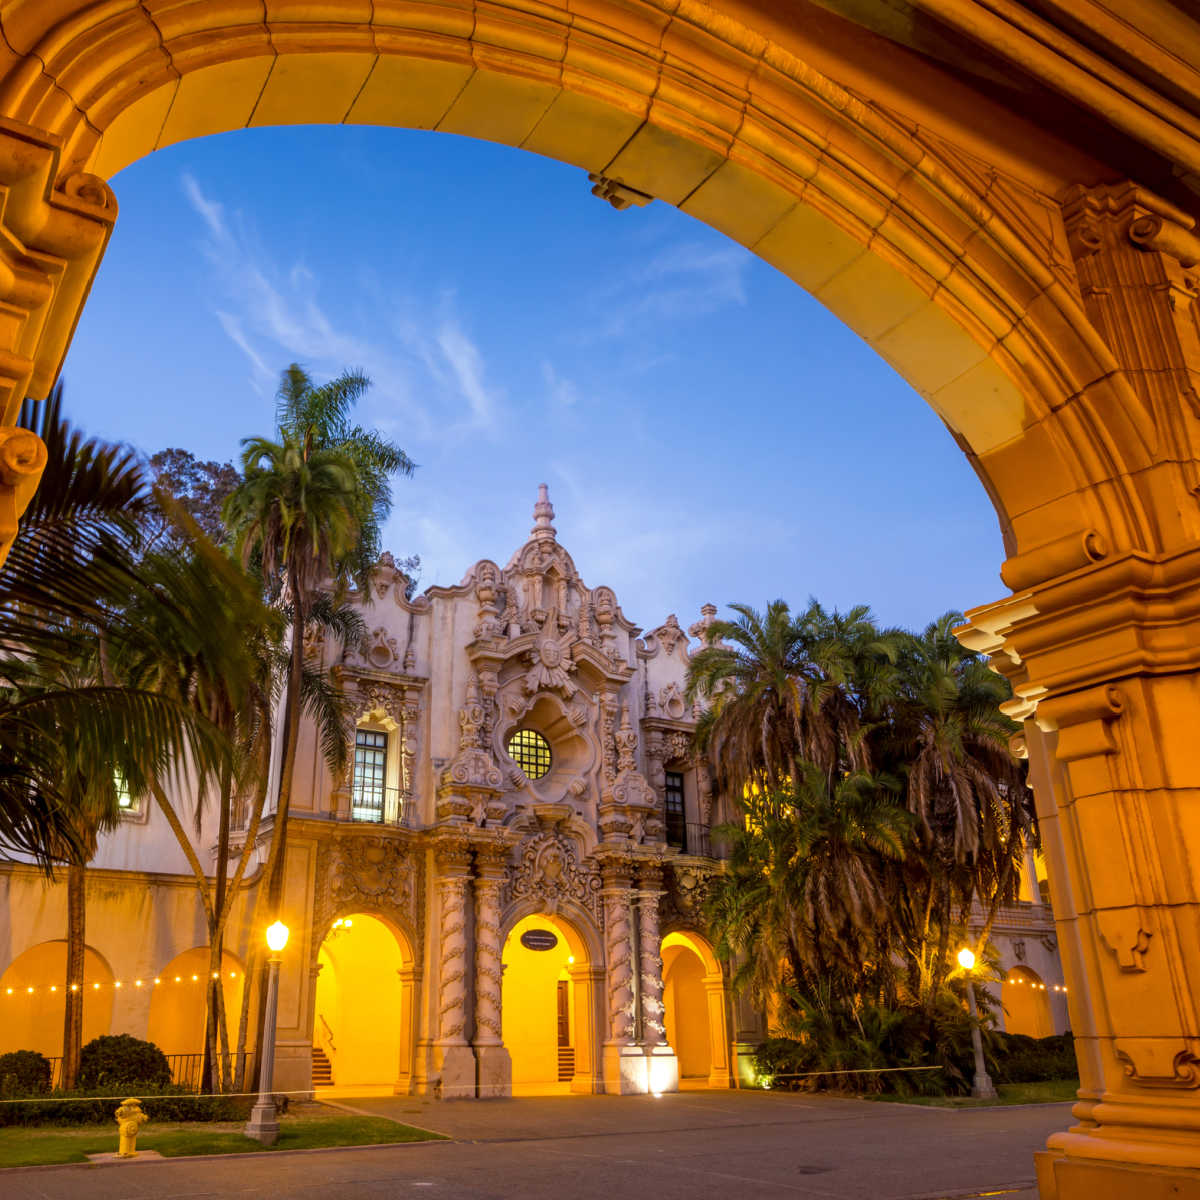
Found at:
(35, 989)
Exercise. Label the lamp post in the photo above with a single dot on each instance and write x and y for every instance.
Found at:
(263, 1124)
(982, 1088)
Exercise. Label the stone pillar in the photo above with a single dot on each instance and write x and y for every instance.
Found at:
(624, 1063)
(495, 1065)
(410, 978)
(454, 1061)
(662, 1065)
(719, 1075)
(1106, 667)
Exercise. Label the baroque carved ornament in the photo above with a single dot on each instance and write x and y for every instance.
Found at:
(549, 870)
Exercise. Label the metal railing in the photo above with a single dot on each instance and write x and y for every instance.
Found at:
(381, 806)
(691, 838)
(327, 1034)
(186, 1069)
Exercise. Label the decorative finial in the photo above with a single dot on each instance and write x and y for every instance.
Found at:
(543, 514)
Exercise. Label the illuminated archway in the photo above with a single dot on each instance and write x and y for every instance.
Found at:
(548, 1007)
(33, 1020)
(363, 1011)
(695, 1000)
(178, 1005)
(1026, 1003)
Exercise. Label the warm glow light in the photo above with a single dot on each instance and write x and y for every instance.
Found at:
(195, 977)
(349, 922)
(95, 987)
(30, 990)
(216, 974)
(178, 980)
(74, 987)
(966, 958)
(277, 936)
(54, 987)
(117, 984)
(232, 974)
(158, 981)
(570, 958)
(10, 991)
(137, 983)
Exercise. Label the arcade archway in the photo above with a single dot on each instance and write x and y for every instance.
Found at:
(363, 1012)
(548, 1007)
(696, 1017)
(31, 999)
(178, 1004)
(1026, 1004)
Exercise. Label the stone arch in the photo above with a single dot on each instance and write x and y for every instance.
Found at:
(364, 1000)
(33, 1020)
(178, 1002)
(1026, 1003)
(697, 1018)
(550, 1052)
(965, 287)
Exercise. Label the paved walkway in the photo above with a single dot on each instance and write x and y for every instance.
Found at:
(682, 1147)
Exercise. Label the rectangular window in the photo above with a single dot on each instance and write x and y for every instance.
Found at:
(676, 819)
(370, 774)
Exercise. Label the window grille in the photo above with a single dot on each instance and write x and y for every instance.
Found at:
(530, 751)
(370, 775)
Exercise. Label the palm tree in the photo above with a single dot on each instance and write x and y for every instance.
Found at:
(782, 689)
(801, 901)
(309, 510)
(947, 736)
(71, 738)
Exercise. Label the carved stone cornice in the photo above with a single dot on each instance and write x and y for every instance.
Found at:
(1131, 615)
(452, 852)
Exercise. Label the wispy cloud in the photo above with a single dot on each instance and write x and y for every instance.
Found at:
(276, 313)
(680, 282)
(562, 393)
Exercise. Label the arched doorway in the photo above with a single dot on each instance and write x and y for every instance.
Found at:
(548, 1007)
(1026, 1004)
(695, 1003)
(179, 1006)
(31, 999)
(363, 1011)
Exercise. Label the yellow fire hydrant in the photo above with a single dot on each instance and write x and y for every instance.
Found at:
(130, 1119)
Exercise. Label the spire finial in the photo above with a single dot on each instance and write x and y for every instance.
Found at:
(543, 514)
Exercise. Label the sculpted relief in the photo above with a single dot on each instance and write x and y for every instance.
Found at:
(550, 871)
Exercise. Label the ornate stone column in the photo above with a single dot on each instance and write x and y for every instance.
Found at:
(624, 1067)
(495, 1065)
(410, 979)
(662, 1065)
(454, 1061)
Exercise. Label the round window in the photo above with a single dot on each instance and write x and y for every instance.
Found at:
(530, 751)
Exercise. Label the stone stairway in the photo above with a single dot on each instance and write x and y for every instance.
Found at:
(322, 1068)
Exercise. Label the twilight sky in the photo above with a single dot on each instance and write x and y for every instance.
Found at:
(708, 431)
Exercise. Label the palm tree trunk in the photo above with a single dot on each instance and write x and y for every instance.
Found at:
(76, 947)
(287, 764)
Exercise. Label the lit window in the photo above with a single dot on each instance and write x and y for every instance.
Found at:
(530, 751)
(370, 773)
(676, 820)
(124, 796)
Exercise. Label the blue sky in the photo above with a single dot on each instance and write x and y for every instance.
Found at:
(708, 431)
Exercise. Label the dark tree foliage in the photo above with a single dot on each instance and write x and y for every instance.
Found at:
(200, 487)
(118, 1060)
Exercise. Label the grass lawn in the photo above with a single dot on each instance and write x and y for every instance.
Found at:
(1053, 1091)
(306, 1126)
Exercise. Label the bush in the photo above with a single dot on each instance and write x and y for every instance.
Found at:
(97, 1106)
(1021, 1059)
(24, 1073)
(120, 1061)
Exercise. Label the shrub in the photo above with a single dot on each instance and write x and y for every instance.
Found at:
(24, 1073)
(1021, 1059)
(121, 1061)
(96, 1106)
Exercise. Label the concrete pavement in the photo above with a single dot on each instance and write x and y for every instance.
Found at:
(689, 1146)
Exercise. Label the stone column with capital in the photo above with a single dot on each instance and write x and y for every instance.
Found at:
(624, 1064)
(495, 1064)
(454, 1060)
(662, 1065)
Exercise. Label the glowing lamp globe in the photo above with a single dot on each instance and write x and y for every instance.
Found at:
(966, 958)
(277, 936)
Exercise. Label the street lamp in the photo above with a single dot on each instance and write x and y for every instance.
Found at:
(982, 1088)
(263, 1124)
